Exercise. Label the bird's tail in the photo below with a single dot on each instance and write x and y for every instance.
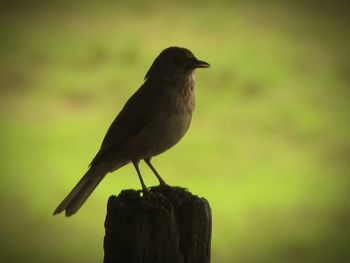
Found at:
(80, 193)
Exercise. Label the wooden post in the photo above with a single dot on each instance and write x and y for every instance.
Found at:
(169, 226)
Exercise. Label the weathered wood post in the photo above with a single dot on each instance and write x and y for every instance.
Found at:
(169, 226)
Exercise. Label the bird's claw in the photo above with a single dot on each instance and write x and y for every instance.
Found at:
(164, 185)
(145, 192)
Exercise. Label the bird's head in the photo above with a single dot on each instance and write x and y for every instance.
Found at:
(174, 62)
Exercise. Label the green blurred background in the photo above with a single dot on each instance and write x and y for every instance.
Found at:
(269, 144)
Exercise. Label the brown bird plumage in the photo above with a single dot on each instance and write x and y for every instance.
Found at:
(154, 119)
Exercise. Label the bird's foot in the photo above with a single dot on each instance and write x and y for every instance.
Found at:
(164, 185)
(145, 192)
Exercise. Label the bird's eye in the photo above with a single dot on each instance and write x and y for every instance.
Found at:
(177, 62)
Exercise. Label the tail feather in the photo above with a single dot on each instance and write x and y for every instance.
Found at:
(83, 195)
(83, 189)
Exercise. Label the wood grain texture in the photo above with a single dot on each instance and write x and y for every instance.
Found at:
(170, 225)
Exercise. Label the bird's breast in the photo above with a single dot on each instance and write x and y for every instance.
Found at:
(171, 127)
(167, 124)
(181, 96)
(165, 127)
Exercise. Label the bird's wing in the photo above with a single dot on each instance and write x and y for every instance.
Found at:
(134, 115)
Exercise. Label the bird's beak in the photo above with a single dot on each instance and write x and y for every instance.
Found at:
(200, 64)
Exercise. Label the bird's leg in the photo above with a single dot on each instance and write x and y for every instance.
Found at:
(160, 179)
(136, 165)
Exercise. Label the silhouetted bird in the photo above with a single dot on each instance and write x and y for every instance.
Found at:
(154, 119)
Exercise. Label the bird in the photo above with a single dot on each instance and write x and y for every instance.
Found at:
(155, 118)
